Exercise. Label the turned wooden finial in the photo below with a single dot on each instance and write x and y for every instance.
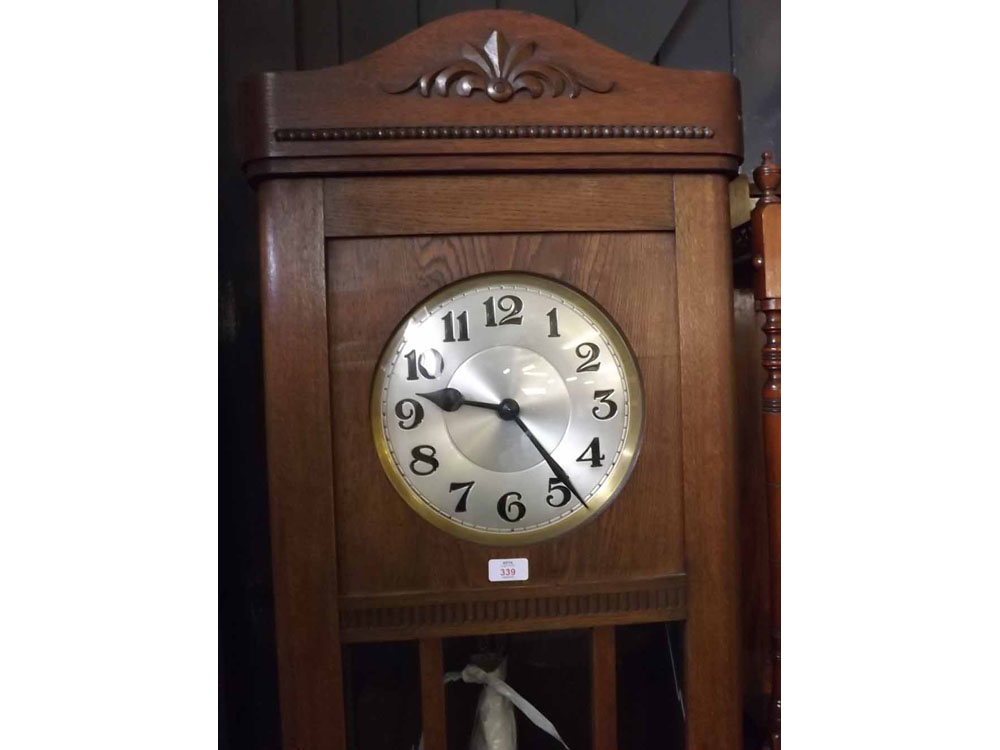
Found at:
(767, 177)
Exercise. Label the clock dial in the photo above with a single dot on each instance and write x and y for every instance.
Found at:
(507, 408)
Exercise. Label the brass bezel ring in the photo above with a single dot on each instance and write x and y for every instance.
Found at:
(633, 437)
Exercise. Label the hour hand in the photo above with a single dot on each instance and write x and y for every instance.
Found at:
(451, 399)
(447, 399)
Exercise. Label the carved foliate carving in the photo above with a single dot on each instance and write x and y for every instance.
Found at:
(501, 70)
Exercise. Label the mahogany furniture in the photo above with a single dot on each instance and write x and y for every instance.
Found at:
(485, 142)
(765, 222)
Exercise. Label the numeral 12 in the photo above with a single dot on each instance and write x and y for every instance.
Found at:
(510, 304)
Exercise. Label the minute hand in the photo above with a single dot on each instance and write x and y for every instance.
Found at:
(556, 468)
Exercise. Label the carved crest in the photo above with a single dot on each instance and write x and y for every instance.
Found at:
(501, 70)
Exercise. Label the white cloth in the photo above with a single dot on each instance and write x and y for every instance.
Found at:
(495, 728)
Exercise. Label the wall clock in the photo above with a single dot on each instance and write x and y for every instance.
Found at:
(512, 294)
(507, 409)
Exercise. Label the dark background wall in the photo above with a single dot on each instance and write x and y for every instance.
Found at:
(741, 37)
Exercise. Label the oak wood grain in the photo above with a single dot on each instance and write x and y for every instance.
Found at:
(604, 687)
(766, 236)
(432, 702)
(765, 228)
(754, 575)
(354, 96)
(705, 319)
(521, 163)
(352, 562)
(447, 204)
(510, 608)
(296, 378)
(374, 283)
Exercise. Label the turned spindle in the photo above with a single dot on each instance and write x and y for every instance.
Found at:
(766, 237)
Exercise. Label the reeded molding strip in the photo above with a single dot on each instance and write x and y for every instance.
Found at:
(493, 131)
(530, 611)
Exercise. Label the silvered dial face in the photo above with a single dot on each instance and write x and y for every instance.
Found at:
(507, 408)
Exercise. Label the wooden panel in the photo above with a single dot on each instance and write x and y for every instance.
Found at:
(254, 36)
(700, 38)
(633, 276)
(603, 685)
(374, 206)
(563, 11)
(635, 27)
(766, 228)
(520, 163)
(431, 10)
(756, 30)
(705, 313)
(432, 703)
(296, 377)
(511, 609)
(756, 623)
(317, 33)
(349, 109)
(368, 25)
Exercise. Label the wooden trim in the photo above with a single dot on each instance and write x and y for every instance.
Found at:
(382, 91)
(604, 688)
(708, 408)
(432, 699)
(511, 610)
(766, 228)
(432, 132)
(435, 204)
(518, 163)
(297, 409)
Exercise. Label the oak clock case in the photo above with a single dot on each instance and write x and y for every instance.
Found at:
(408, 205)
(507, 409)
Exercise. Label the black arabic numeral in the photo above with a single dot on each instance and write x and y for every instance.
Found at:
(467, 486)
(509, 304)
(588, 353)
(414, 412)
(429, 364)
(504, 506)
(424, 454)
(557, 485)
(605, 398)
(553, 316)
(595, 456)
(463, 327)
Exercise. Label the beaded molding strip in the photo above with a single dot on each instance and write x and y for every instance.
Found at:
(494, 131)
